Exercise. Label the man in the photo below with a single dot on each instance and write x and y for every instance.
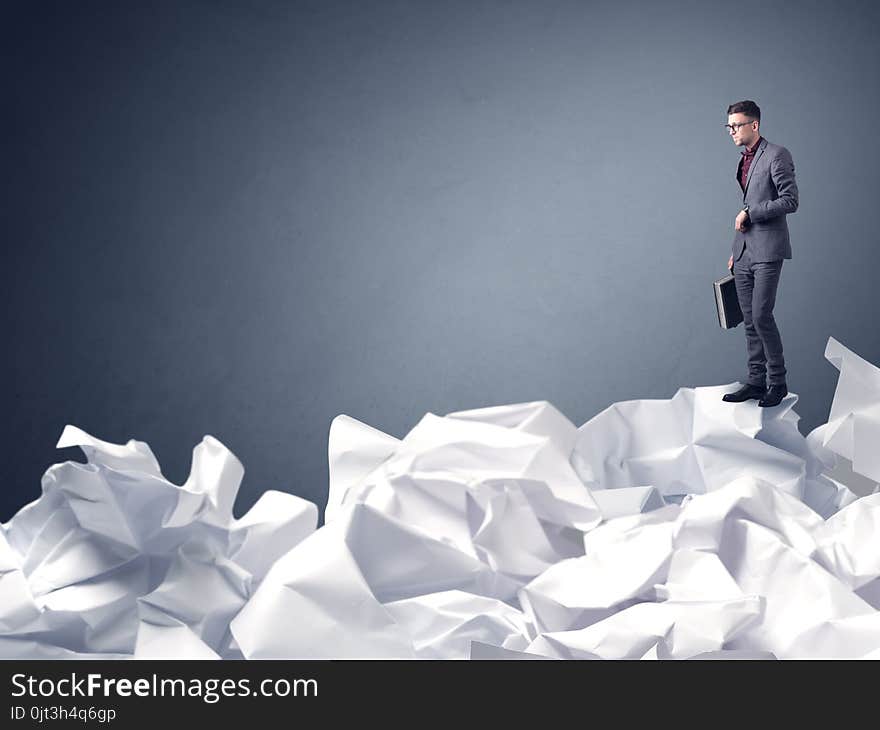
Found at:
(766, 176)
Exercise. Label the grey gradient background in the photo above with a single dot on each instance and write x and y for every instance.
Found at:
(242, 219)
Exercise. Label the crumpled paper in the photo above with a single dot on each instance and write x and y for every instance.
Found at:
(685, 528)
(114, 560)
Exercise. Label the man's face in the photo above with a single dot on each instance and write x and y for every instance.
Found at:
(746, 130)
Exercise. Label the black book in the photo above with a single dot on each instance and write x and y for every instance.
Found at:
(729, 313)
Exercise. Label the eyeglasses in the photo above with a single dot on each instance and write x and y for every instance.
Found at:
(736, 125)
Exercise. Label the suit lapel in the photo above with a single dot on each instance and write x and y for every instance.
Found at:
(752, 166)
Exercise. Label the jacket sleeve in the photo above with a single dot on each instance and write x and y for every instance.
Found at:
(782, 173)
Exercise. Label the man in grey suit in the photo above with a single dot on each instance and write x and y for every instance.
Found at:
(760, 243)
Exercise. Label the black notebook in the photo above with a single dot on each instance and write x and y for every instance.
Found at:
(729, 313)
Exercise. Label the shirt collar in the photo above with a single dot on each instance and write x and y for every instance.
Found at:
(749, 151)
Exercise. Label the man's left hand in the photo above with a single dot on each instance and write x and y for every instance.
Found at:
(742, 221)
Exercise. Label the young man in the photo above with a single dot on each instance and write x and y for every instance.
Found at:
(766, 176)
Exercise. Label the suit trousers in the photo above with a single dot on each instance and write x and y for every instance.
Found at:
(756, 283)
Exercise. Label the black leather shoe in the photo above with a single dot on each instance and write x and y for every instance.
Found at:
(747, 392)
(775, 394)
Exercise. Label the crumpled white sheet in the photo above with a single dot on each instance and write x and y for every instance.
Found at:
(115, 560)
(660, 529)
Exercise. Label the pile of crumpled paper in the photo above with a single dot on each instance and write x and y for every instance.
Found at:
(659, 529)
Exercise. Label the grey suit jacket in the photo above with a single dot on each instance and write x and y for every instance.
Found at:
(771, 193)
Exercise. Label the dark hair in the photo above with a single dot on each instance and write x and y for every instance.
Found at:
(747, 107)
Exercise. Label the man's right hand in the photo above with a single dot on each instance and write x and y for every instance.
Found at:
(730, 264)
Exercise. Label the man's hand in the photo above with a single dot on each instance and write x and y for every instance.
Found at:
(742, 221)
(730, 263)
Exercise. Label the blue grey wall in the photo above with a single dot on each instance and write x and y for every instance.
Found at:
(243, 219)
